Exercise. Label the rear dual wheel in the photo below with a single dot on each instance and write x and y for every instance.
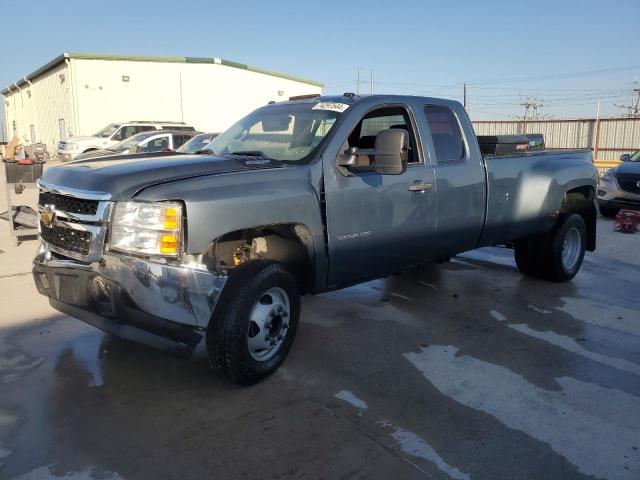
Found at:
(556, 256)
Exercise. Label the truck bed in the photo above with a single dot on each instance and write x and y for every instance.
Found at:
(523, 189)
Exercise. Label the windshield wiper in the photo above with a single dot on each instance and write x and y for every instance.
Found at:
(205, 151)
(250, 153)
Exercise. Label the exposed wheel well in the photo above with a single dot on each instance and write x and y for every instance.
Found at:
(580, 200)
(290, 244)
(92, 149)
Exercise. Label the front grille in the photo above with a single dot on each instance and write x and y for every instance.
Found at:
(69, 204)
(629, 182)
(65, 238)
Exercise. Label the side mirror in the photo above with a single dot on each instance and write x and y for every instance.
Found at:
(624, 157)
(348, 162)
(391, 151)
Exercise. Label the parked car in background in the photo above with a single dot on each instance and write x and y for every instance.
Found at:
(297, 197)
(619, 187)
(197, 143)
(112, 134)
(145, 142)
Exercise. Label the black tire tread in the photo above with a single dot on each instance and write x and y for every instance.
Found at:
(226, 330)
(540, 257)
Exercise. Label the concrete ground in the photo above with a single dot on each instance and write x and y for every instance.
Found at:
(466, 371)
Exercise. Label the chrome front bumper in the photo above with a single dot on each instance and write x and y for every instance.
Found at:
(132, 298)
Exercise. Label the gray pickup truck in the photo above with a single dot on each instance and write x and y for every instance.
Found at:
(299, 197)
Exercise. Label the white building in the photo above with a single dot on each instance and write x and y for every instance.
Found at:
(79, 93)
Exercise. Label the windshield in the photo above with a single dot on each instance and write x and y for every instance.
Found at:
(635, 157)
(107, 131)
(199, 142)
(288, 132)
(132, 141)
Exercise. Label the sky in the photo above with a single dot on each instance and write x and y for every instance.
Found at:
(569, 55)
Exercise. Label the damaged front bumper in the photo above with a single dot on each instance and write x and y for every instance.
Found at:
(161, 305)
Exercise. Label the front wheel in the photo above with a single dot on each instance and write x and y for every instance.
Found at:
(254, 323)
(556, 256)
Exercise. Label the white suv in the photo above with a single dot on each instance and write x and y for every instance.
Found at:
(110, 135)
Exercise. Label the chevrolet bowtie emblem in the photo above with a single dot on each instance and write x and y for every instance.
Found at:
(47, 215)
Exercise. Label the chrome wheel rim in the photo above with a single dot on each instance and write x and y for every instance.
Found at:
(268, 324)
(571, 248)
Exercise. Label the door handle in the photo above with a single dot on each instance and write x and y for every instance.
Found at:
(420, 186)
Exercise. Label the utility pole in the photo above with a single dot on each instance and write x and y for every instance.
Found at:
(371, 89)
(358, 84)
(464, 96)
(531, 111)
(633, 108)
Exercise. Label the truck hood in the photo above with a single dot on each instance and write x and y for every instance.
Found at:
(123, 176)
(628, 167)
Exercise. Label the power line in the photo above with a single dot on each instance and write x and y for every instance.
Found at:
(633, 108)
(558, 75)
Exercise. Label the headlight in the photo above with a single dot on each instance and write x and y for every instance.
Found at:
(72, 146)
(147, 228)
(608, 176)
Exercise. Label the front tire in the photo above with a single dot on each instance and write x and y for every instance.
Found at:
(254, 323)
(556, 256)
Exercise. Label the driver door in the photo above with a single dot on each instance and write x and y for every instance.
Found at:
(377, 224)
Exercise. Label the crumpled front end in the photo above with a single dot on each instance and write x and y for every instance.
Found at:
(167, 304)
(162, 305)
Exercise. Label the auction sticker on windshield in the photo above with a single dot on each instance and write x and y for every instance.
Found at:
(333, 106)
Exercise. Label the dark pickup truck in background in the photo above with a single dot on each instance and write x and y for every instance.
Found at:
(298, 197)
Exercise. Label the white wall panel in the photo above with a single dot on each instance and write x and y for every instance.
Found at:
(208, 96)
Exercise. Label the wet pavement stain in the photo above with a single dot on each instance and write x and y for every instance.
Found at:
(503, 401)
(572, 420)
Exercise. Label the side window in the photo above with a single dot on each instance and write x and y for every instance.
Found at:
(124, 132)
(182, 129)
(179, 140)
(128, 131)
(61, 128)
(448, 142)
(364, 135)
(143, 128)
(156, 144)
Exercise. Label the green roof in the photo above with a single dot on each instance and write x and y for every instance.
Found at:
(151, 58)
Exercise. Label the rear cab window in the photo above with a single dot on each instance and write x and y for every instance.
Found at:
(446, 134)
